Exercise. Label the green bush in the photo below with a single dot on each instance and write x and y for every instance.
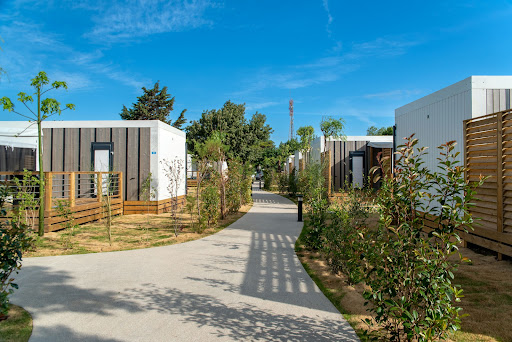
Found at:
(315, 223)
(14, 239)
(283, 182)
(238, 187)
(411, 277)
(210, 201)
(347, 235)
(311, 183)
(269, 179)
(292, 183)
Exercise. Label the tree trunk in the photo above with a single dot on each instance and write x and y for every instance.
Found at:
(41, 172)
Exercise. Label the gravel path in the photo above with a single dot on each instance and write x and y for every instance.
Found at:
(242, 284)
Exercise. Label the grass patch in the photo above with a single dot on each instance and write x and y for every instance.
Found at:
(17, 327)
(128, 232)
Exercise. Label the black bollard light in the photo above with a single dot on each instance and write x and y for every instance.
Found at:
(260, 184)
(299, 199)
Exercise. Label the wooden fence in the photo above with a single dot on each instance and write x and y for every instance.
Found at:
(488, 152)
(84, 192)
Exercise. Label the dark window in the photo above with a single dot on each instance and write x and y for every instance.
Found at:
(17, 158)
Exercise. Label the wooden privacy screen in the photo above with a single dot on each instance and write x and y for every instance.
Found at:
(488, 152)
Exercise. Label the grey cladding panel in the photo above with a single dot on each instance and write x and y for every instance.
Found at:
(119, 140)
(86, 138)
(47, 149)
(144, 161)
(71, 149)
(132, 169)
(102, 135)
(57, 149)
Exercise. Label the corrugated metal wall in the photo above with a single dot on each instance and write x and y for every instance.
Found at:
(438, 122)
(69, 149)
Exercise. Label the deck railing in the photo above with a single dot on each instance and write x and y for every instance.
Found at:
(82, 191)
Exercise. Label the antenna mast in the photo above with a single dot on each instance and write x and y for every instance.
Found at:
(291, 120)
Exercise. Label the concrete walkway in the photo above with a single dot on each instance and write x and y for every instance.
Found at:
(242, 284)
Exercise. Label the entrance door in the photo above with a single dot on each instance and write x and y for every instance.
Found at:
(102, 159)
(357, 169)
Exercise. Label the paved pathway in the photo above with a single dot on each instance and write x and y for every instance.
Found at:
(242, 284)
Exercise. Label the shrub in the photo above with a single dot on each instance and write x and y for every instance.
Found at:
(347, 235)
(283, 182)
(210, 201)
(311, 183)
(410, 279)
(292, 183)
(315, 223)
(269, 179)
(14, 239)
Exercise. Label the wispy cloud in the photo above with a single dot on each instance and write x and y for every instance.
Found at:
(329, 16)
(123, 20)
(382, 47)
(399, 93)
(327, 69)
(261, 105)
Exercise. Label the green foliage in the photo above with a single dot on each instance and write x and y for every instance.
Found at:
(147, 191)
(210, 201)
(311, 182)
(269, 179)
(332, 127)
(282, 183)
(372, 130)
(292, 182)
(246, 139)
(180, 121)
(315, 223)
(153, 104)
(411, 280)
(15, 238)
(238, 185)
(45, 109)
(190, 206)
(26, 199)
(346, 235)
(63, 208)
(307, 135)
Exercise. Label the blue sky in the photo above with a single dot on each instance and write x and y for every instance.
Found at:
(349, 59)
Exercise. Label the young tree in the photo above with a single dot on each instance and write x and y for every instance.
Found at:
(307, 135)
(332, 127)
(175, 172)
(45, 108)
(154, 104)
(372, 130)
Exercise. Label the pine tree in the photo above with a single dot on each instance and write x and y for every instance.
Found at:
(154, 104)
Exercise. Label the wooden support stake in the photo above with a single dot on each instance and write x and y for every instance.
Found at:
(99, 186)
(48, 187)
(72, 189)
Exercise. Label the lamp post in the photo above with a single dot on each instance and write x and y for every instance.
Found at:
(299, 199)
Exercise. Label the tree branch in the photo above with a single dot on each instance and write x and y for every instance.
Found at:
(28, 107)
(23, 115)
(47, 90)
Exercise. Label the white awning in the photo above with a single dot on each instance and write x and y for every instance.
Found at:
(19, 137)
(380, 144)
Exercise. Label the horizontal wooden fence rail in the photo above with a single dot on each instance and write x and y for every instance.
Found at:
(82, 192)
(488, 153)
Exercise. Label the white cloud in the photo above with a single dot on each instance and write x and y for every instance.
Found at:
(261, 105)
(393, 94)
(330, 19)
(122, 20)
